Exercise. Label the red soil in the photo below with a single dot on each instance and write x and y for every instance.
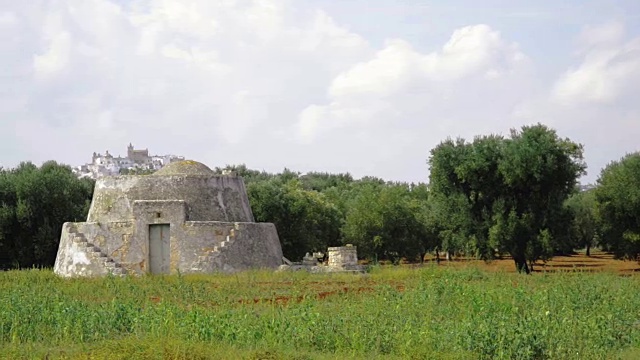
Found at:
(598, 261)
(324, 290)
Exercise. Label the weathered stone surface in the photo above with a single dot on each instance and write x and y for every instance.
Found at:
(210, 226)
(77, 256)
(209, 198)
(343, 256)
(240, 246)
(187, 167)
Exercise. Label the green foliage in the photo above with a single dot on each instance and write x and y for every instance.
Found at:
(389, 222)
(505, 195)
(618, 198)
(540, 171)
(584, 220)
(306, 221)
(317, 210)
(34, 203)
(321, 181)
(248, 175)
(395, 313)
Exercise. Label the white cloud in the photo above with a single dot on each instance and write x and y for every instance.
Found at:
(326, 33)
(610, 66)
(8, 19)
(214, 73)
(281, 83)
(400, 81)
(310, 119)
(55, 58)
(389, 71)
(57, 50)
(594, 101)
(473, 50)
(604, 34)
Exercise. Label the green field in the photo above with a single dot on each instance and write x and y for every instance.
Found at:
(414, 313)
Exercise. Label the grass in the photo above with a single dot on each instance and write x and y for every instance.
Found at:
(427, 312)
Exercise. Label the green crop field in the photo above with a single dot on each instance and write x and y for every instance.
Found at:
(414, 313)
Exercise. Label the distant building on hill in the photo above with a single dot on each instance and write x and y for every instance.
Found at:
(136, 162)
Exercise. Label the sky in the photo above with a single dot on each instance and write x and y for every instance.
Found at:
(365, 87)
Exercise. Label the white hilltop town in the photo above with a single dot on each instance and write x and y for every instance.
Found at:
(136, 161)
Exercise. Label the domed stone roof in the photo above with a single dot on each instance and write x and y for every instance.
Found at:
(208, 196)
(186, 167)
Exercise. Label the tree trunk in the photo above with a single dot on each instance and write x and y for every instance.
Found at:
(588, 250)
(437, 256)
(521, 264)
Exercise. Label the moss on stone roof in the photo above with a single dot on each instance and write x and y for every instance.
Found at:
(186, 167)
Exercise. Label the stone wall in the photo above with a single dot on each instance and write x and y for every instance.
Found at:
(195, 247)
(209, 198)
(238, 246)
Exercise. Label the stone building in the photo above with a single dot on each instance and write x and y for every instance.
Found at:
(137, 156)
(183, 218)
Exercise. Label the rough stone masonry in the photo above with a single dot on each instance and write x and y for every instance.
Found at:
(183, 218)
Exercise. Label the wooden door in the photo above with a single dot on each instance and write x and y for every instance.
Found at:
(159, 248)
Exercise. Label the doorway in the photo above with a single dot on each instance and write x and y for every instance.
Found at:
(159, 248)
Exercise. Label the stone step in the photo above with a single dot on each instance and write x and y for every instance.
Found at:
(97, 254)
(82, 245)
(209, 257)
(78, 239)
(112, 264)
(91, 249)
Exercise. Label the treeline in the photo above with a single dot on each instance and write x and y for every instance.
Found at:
(34, 203)
(487, 198)
(312, 211)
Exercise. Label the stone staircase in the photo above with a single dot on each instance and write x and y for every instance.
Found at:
(210, 261)
(96, 254)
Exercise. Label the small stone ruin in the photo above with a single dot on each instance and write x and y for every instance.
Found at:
(340, 259)
(345, 257)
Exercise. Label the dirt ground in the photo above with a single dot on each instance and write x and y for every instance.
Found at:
(598, 261)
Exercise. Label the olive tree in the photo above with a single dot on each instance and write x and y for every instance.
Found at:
(505, 195)
(618, 206)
